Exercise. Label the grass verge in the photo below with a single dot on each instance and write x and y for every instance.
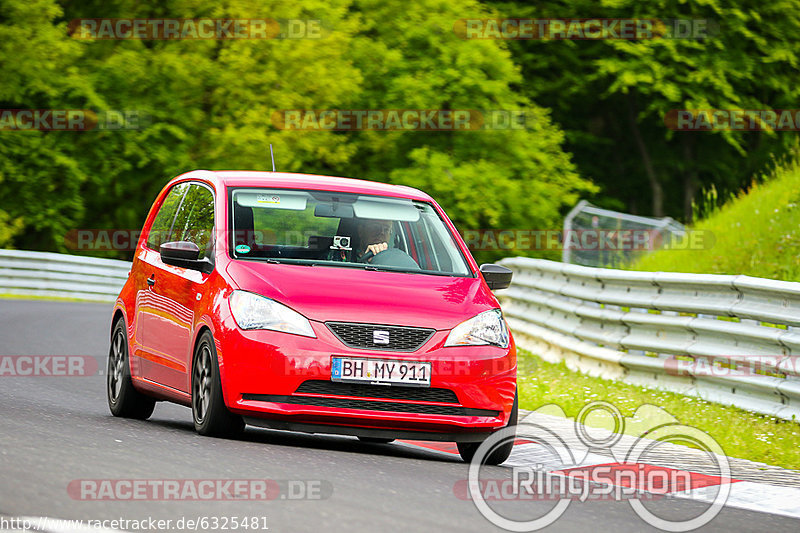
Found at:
(741, 434)
(756, 233)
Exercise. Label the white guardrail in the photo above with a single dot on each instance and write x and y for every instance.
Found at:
(728, 339)
(61, 275)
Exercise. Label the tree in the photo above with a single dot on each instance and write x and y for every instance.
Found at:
(612, 96)
(40, 196)
(486, 179)
(210, 104)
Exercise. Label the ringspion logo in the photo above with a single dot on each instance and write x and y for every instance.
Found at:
(559, 469)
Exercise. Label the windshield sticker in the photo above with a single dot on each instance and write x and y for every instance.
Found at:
(242, 249)
(268, 199)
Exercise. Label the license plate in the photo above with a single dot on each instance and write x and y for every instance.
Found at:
(381, 371)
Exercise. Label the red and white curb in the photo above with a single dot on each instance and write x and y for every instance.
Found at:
(748, 495)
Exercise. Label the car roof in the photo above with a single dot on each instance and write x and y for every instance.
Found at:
(291, 180)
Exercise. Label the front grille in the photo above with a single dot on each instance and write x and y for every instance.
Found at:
(371, 405)
(414, 394)
(401, 339)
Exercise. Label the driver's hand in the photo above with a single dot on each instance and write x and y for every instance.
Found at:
(376, 249)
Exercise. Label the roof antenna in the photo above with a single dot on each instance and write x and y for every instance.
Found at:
(272, 156)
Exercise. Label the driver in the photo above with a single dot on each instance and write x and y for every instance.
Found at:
(374, 236)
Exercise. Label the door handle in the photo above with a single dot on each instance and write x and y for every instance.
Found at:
(151, 280)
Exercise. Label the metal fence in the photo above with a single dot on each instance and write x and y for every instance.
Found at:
(61, 275)
(585, 217)
(728, 339)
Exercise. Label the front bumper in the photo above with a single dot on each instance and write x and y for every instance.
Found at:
(261, 372)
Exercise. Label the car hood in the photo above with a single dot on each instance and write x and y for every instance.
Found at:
(324, 293)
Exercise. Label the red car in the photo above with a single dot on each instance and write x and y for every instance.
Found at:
(314, 304)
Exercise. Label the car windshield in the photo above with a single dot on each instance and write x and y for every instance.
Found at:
(342, 229)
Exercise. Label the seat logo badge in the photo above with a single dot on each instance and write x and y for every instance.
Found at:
(380, 337)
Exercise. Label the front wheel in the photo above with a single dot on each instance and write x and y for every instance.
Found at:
(500, 453)
(211, 416)
(123, 399)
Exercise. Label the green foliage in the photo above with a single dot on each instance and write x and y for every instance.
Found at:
(209, 104)
(755, 233)
(607, 93)
(509, 179)
(40, 182)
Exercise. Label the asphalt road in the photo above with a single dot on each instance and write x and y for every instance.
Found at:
(54, 430)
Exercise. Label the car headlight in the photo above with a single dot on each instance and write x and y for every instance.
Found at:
(252, 311)
(488, 327)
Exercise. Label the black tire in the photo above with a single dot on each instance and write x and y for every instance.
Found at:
(500, 453)
(375, 440)
(123, 399)
(211, 416)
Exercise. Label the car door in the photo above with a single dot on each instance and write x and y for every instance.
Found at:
(147, 312)
(174, 292)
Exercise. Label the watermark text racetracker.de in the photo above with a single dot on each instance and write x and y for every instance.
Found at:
(71, 120)
(193, 29)
(585, 29)
(733, 119)
(199, 490)
(589, 239)
(742, 366)
(86, 239)
(401, 119)
(48, 366)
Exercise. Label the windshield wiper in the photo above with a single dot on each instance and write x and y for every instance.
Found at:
(278, 261)
(362, 266)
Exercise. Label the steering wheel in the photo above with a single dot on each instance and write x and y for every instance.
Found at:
(391, 257)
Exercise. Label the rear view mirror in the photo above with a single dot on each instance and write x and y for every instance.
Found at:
(184, 254)
(334, 210)
(496, 276)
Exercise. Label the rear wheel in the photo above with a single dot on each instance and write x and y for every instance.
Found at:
(211, 416)
(500, 453)
(123, 399)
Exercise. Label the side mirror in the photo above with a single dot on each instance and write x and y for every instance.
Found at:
(496, 276)
(184, 254)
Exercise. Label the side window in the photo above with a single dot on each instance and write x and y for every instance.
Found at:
(195, 220)
(160, 230)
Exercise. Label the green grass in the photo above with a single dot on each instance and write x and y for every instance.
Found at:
(740, 433)
(757, 233)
